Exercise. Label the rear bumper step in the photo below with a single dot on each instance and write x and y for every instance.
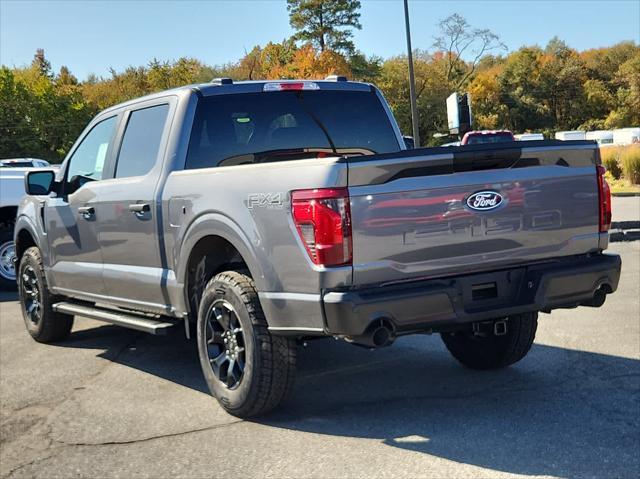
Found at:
(434, 304)
(139, 323)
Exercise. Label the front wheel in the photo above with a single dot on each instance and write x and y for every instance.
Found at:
(486, 350)
(247, 369)
(44, 324)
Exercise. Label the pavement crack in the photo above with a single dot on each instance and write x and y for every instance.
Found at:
(32, 462)
(150, 438)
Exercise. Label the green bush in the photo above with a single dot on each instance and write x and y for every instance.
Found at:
(611, 160)
(630, 160)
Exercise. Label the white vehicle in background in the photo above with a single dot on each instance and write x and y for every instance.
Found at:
(529, 136)
(571, 135)
(602, 137)
(12, 172)
(24, 163)
(626, 136)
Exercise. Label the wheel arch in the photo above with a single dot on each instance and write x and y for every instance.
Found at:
(24, 240)
(222, 245)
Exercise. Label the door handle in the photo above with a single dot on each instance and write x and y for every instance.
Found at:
(140, 208)
(87, 212)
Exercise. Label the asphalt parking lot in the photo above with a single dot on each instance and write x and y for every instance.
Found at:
(111, 402)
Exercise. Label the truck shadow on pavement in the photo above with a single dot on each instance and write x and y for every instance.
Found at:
(559, 412)
(6, 296)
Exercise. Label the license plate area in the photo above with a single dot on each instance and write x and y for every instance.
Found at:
(483, 292)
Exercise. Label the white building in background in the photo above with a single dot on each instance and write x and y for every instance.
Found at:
(529, 136)
(603, 137)
(626, 136)
(570, 135)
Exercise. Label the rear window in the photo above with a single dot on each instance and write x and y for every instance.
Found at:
(141, 141)
(276, 126)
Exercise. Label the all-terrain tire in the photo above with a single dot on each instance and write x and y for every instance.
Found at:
(269, 361)
(50, 327)
(490, 351)
(6, 245)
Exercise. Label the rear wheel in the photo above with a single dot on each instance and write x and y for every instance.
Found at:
(247, 369)
(7, 255)
(44, 325)
(486, 350)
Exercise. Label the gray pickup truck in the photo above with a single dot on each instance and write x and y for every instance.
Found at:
(264, 213)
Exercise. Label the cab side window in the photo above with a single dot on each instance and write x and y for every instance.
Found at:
(141, 141)
(87, 162)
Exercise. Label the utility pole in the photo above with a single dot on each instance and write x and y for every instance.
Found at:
(412, 81)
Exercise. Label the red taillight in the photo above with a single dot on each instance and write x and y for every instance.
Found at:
(604, 195)
(323, 220)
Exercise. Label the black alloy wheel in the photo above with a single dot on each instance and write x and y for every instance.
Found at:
(225, 344)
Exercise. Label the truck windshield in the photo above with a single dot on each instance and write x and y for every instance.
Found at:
(246, 128)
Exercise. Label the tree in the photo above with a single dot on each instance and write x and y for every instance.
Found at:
(40, 116)
(41, 63)
(599, 103)
(18, 134)
(561, 87)
(307, 62)
(627, 112)
(530, 89)
(432, 90)
(65, 77)
(250, 65)
(365, 69)
(458, 40)
(275, 56)
(519, 84)
(326, 24)
(488, 111)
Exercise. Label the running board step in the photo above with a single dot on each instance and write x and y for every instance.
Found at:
(146, 325)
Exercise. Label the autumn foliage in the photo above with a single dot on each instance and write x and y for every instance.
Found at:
(530, 89)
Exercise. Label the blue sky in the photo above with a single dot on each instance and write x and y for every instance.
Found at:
(92, 36)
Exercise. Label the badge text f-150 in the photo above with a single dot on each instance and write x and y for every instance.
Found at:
(268, 212)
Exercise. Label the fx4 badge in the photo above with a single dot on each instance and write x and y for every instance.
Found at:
(484, 200)
(264, 200)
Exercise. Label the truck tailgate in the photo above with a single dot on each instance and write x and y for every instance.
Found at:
(414, 213)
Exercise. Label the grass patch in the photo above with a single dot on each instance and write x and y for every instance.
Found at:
(630, 160)
(623, 164)
(610, 157)
(621, 185)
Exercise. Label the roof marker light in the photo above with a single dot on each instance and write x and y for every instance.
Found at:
(291, 86)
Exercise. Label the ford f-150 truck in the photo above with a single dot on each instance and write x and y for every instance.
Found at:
(269, 212)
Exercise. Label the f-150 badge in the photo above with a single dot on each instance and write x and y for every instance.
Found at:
(484, 200)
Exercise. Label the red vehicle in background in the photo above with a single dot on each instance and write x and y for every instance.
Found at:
(487, 136)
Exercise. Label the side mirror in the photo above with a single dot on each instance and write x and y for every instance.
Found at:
(39, 182)
(409, 143)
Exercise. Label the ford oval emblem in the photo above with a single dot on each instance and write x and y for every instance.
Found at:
(484, 200)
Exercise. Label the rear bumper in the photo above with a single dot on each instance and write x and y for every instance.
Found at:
(433, 304)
